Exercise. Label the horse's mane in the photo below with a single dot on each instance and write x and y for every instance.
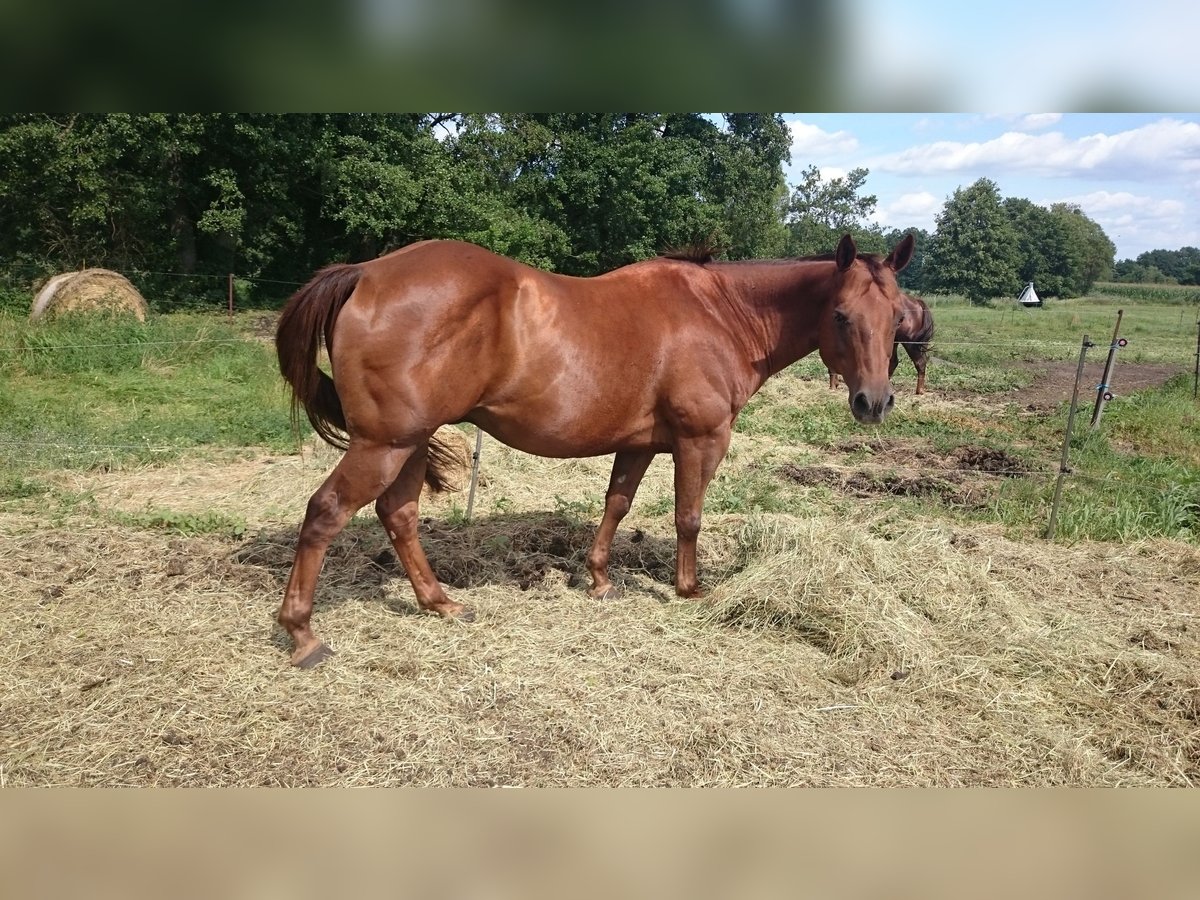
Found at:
(701, 251)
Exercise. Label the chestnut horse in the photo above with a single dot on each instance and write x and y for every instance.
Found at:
(655, 357)
(914, 333)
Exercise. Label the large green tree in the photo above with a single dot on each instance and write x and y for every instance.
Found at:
(974, 251)
(820, 211)
(1088, 250)
(1044, 255)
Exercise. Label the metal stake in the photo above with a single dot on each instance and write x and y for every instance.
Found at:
(1103, 394)
(1063, 467)
(474, 470)
(1196, 377)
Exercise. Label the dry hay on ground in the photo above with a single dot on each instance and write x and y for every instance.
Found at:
(88, 291)
(832, 651)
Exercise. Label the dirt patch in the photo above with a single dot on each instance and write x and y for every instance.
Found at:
(1053, 382)
(916, 453)
(988, 460)
(910, 468)
(947, 486)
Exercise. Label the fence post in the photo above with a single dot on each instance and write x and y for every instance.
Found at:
(1063, 467)
(1196, 376)
(474, 470)
(231, 295)
(1103, 394)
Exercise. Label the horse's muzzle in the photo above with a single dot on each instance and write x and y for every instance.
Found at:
(871, 410)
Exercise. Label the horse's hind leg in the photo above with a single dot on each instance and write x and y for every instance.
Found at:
(628, 469)
(397, 510)
(361, 476)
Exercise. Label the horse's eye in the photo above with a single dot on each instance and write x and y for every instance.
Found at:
(841, 318)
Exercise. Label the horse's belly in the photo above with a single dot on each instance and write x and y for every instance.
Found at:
(568, 437)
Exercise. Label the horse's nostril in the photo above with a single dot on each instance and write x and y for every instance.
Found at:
(891, 401)
(861, 404)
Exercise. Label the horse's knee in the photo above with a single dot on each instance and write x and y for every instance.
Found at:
(617, 505)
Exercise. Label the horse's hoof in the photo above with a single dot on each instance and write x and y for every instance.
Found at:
(456, 612)
(313, 657)
(612, 592)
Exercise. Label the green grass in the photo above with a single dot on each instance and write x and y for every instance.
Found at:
(79, 392)
(208, 522)
(993, 336)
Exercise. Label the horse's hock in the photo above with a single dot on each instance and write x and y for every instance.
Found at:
(88, 291)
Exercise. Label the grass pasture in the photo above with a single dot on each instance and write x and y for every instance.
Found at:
(882, 608)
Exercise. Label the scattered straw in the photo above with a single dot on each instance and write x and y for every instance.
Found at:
(830, 651)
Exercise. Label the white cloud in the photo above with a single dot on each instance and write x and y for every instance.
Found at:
(811, 142)
(1025, 121)
(829, 173)
(918, 209)
(1133, 220)
(1038, 121)
(1098, 203)
(1029, 54)
(1165, 147)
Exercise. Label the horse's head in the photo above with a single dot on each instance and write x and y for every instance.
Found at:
(858, 326)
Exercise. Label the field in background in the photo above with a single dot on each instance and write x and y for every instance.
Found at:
(883, 609)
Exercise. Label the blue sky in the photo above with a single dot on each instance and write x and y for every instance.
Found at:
(1137, 174)
(1015, 55)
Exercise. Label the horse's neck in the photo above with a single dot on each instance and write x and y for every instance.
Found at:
(785, 301)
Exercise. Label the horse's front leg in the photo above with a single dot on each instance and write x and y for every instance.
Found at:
(696, 461)
(628, 469)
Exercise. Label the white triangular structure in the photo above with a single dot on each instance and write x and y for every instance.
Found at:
(1029, 296)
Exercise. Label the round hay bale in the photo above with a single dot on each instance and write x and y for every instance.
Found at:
(88, 291)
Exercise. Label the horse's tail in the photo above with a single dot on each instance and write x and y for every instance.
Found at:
(919, 338)
(306, 321)
(924, 335)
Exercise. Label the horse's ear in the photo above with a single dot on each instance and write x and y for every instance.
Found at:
(846, 253)
(902, 254)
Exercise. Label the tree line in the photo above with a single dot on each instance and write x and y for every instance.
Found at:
(274, 197)
(1180, 266)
